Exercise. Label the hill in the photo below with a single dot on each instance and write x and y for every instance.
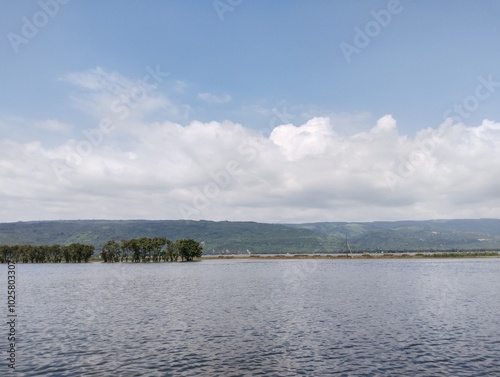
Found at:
(413, 235)
(229, 237)
(218, 237)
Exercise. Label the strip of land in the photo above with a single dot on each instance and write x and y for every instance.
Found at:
(358, 256)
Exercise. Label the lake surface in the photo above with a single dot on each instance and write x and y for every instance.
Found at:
(257, 318)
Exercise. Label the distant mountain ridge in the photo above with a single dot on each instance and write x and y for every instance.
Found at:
(228, 237)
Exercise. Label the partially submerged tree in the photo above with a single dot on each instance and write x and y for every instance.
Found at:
(111, 251)
(189, 249)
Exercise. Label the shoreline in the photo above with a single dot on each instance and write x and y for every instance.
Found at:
(357, 256)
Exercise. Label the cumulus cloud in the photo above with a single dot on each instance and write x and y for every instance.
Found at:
(312, 138)
(385, 124)
(138, 168)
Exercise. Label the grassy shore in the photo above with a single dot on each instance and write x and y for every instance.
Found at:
(485, 254)
(468, 254)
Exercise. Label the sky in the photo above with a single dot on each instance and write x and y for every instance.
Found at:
(271, 111)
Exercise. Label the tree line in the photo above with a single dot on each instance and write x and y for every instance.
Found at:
(73, 253)
(143, 249)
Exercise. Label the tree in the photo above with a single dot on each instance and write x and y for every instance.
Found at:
(157, 244)
(126, 250)
(111, 251)
(26, 253)
(189, 249)
(77, 252)
(10, 253)
(87, 252)
(135, 247)
(42, 253)
(67, 254)
(145, 248)
(172, 253)
(132, 249)
(56, 253)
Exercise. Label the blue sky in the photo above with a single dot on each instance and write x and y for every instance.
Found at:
(241, 67)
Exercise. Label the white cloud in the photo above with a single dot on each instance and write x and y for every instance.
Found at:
(111, 95)
(224, 170)
(312, 138)
(99, 79)
(385, 124)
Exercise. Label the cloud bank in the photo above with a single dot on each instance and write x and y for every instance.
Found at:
(126, 165)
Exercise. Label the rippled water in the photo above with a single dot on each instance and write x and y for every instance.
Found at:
(258, 318)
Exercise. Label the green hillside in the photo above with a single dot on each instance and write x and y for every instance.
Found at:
(414, 235)
(218, 237)
(227, 237)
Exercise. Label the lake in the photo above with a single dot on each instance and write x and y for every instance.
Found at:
(418, 317)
